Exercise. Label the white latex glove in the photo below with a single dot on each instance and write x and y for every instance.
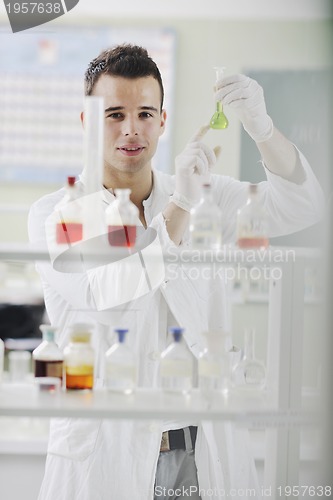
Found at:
(193, 167)
(246, 97)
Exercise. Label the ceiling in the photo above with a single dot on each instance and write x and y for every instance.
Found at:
(191, 9)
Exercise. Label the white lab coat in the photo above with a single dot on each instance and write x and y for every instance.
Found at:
(109, 460)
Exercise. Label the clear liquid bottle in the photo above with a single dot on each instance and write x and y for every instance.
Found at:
(48, 357)
(214, 365)
(177, 364)
(206, 222)
(120, 365)
(79, 359)
(219, 121)
(249, 373)
(69, 228)
(252, 222)
(122, 217)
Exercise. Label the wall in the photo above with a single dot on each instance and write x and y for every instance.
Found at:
(203, 44)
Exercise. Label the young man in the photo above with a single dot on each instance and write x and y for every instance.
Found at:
(113, 459)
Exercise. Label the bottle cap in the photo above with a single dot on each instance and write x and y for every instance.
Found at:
(177, 332)
(80, 332)
(48, 332)
(71, 180)
(253, 188)
(121, 332)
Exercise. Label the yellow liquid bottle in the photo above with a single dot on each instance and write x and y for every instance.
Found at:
(219, 121)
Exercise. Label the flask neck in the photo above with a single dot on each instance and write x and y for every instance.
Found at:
(206, 192)
(249, 336)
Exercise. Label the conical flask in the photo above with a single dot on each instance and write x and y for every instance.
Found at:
(249, 373)
(219, 121)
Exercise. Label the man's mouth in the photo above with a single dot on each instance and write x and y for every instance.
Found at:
(131, 150)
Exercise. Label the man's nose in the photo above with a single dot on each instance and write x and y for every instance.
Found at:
(130, 126)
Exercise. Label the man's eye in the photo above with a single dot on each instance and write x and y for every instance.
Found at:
(145, 114)
(115, 116)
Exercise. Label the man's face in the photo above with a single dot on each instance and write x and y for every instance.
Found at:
(133, 123)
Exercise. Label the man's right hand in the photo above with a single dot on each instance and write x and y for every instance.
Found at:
(193, 168)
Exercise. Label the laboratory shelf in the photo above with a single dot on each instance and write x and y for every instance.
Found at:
(98, 250)
(244, 407)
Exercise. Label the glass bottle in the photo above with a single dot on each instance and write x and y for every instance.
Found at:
(120, 365)
(47, 357)
(121, 220)
(79, 359)
(69, 229)
(252, 222)
(177, 364)
(214, 364)
(2, 357)
(206, 222)
(219, 121)
(249, 373)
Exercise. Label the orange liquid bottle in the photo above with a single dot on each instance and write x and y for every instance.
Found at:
(79, 359)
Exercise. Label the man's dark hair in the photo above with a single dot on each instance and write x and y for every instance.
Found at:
(127, 61)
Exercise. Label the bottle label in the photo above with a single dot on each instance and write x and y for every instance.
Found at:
(50, 368)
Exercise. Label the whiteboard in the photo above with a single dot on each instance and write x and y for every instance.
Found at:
(41, 97)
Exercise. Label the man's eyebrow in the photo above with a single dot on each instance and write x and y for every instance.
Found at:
(118, 108)
(113, 108)
(148, 108)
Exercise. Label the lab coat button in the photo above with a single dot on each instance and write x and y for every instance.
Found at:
(154, 356)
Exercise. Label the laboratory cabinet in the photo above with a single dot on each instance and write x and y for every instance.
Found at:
(280, 414)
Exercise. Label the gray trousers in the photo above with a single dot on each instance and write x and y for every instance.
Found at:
(176, 474)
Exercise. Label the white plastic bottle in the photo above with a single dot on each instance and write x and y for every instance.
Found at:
(177, 364)
(122, 217)
(252, 222)
(120, 365)
(48, 357)
(69, 226)
(206, 222)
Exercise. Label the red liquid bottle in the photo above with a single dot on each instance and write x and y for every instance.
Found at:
(69, 229)
(252, 222)
(122, 217)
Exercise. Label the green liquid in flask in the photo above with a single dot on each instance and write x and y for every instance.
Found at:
(219, 121)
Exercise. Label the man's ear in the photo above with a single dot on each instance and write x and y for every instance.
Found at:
(163, 120)
(82, 118)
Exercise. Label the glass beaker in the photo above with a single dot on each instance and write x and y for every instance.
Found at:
(219, 121)
(249, 373)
